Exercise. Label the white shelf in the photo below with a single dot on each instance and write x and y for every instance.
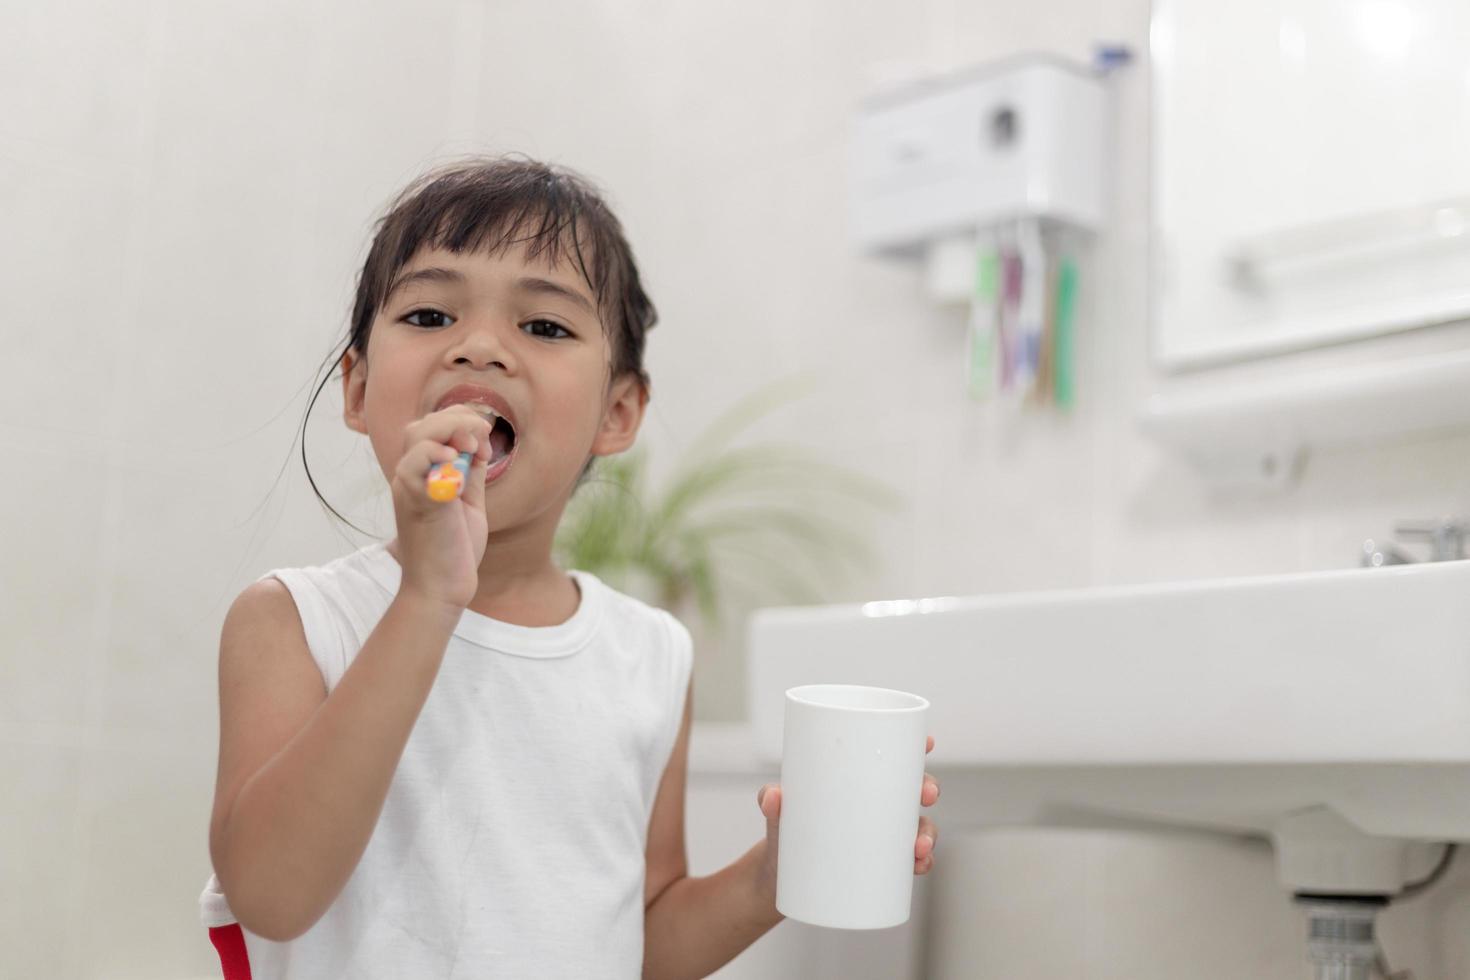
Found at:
(1257, 432)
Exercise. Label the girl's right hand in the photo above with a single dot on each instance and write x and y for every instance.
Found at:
(441, 543)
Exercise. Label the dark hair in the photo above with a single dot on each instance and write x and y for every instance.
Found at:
(489, 204)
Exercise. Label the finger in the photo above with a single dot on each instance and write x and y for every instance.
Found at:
(928, 838)
(924, 865)
(929, 747)
(929, 793)
(468, 435)
(768, 798)
(457, 425)
(414, 466)
(474, 484)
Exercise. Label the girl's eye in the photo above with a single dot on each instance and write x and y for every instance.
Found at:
(410, 316)
(539, 328)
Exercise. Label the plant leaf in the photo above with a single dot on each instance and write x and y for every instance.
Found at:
(751, 409)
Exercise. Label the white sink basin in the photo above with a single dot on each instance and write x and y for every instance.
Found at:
(1221, 704)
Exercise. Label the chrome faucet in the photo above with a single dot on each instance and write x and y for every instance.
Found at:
(1446, 538)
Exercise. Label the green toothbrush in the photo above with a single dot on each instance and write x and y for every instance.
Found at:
(1065, 350)
(982, 326)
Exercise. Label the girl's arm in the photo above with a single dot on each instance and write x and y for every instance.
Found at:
(303, 776)
(694, 926)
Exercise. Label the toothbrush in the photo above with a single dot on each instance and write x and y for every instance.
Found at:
(446, 480)
(983, 315)
(1009, 307)
(1066, 326)
(1031, 310)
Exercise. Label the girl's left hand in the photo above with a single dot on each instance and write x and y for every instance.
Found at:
(769, 800)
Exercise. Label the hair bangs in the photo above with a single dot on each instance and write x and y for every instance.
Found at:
(536, 215)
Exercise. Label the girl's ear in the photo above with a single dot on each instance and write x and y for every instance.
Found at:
(354, 384)
(623, 416)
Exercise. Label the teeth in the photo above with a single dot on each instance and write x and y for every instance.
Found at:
(484, 410)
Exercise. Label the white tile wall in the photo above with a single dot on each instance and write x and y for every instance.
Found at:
(187, 190)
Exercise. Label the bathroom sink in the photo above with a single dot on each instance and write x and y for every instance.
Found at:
(1220, 704)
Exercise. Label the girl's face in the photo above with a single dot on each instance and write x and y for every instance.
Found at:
(526, 331)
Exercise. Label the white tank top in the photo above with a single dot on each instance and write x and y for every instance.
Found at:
(512, 840)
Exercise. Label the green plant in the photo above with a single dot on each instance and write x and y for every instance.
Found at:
(751, 524)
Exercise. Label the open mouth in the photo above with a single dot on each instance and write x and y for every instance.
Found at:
(502, 440)
(502, 433)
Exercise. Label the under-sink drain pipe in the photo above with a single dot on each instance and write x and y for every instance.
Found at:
(1341, 943)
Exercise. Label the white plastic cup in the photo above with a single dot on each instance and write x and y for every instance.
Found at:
(852, 768)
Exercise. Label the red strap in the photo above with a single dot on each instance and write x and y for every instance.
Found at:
(230, 942)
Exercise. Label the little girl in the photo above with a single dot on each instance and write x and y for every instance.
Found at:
(443, 756)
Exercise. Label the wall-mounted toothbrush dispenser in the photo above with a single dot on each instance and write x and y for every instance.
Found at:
(1021, 139)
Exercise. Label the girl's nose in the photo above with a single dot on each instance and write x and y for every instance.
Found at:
(481, 347)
